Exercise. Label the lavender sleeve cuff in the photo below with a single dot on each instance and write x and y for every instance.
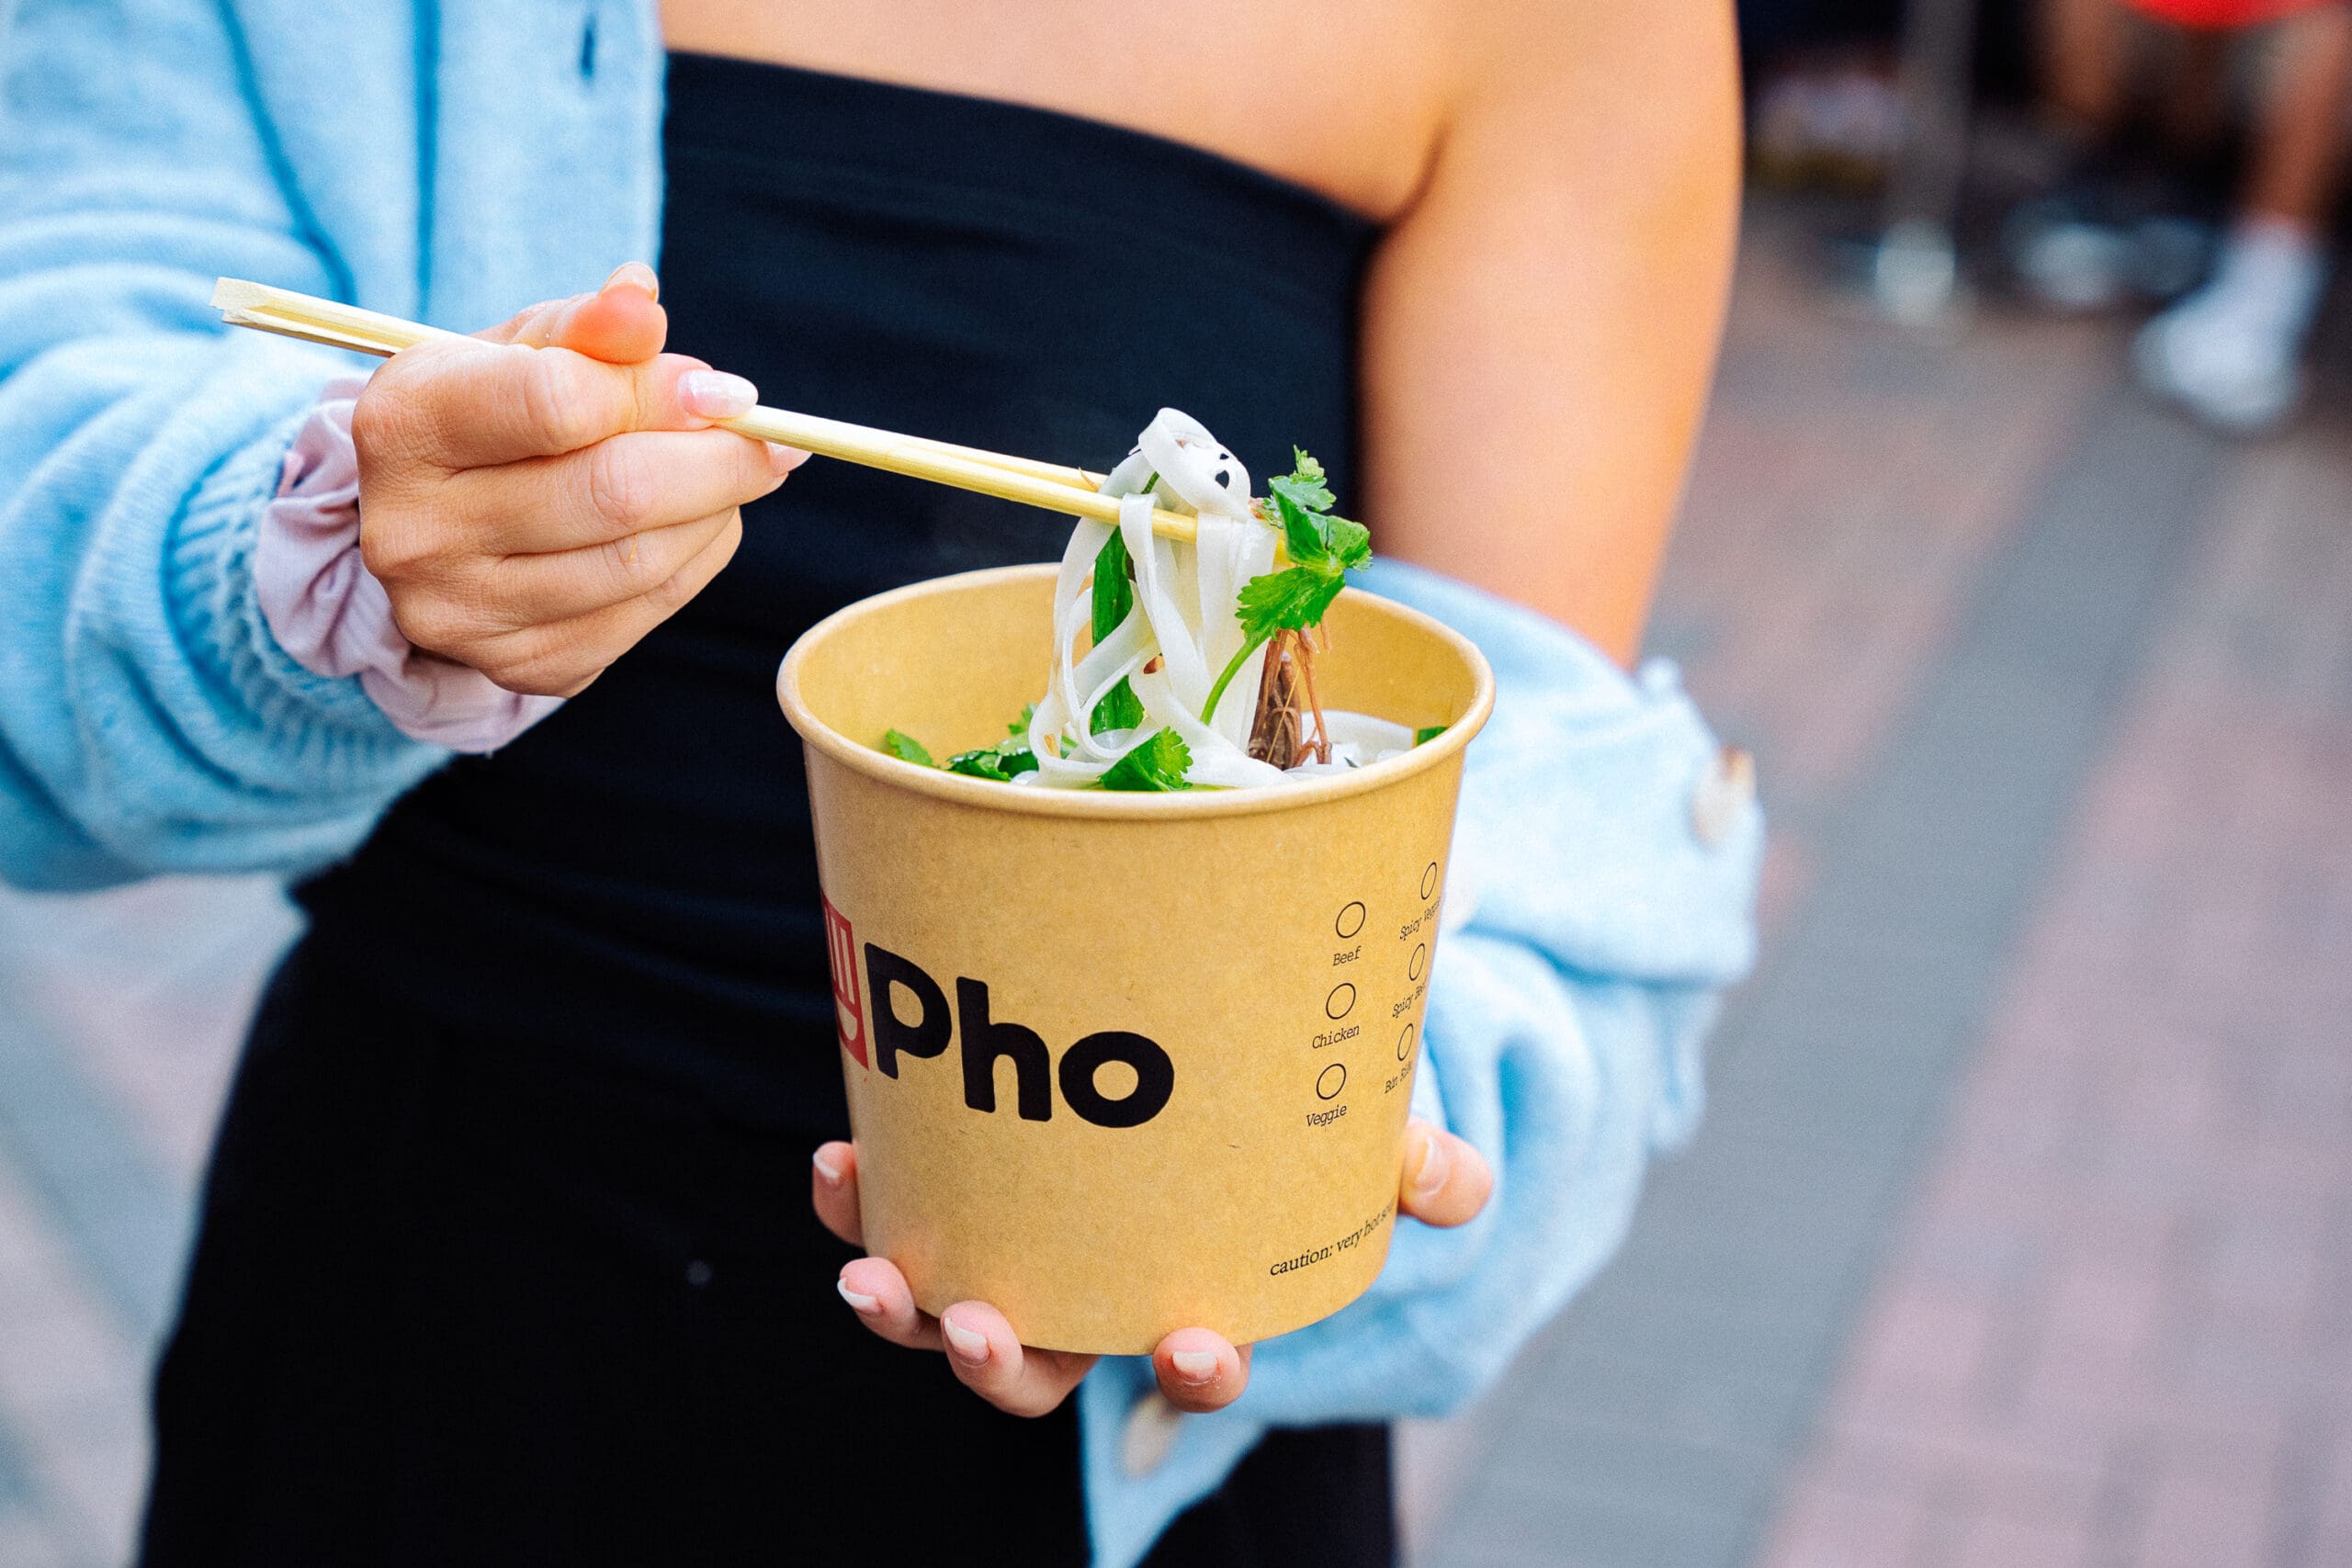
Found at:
(332, 616)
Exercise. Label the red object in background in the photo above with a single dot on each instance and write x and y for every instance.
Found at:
(2221, 15)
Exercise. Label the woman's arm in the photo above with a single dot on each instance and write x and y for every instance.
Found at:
(1540, 326)
(520, 519)
(147, 719)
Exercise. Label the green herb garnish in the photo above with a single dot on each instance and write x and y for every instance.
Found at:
(1423, 736)
(906, 748)
(1000, 761)
(1158, 764)
(1323, 550)
(993, 764)
(1303, 484)
(1114, 598)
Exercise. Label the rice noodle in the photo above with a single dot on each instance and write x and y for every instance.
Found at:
(1181, 631)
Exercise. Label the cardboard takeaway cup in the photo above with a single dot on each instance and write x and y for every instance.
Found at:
(1123, 1064)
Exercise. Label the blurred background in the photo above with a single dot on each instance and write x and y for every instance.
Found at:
(2019, 549)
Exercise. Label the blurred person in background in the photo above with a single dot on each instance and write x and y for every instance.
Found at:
(512, 1250)
(1827, 108)
(2230, 351)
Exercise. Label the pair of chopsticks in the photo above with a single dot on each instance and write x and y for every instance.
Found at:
(1053, 485)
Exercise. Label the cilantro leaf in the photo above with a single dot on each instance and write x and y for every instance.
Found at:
(906, 748)
(1303, 533)
(1009, 756)
(1000, 761)
(1323, 550)
(1318, 537)
(1303, 484)
(978, 765)
(1428, 733)
(1290, 599)
(1158, 764)
(1350, 543)
(993, 762)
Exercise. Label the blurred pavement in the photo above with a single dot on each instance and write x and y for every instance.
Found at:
(2021, 1230)
(2020, 1234)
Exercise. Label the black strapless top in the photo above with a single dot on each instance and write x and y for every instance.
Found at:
(635, 877)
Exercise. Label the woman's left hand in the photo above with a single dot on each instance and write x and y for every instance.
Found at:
(1445, 1182)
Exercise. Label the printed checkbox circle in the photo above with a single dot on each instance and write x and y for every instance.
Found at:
(1350, 920)
(1421, 958)
(1330, 1081)
(1405, 1044)
(1340, 1002)
(1429, 879)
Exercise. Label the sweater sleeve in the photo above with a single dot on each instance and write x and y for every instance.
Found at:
(1600, 893)
(148, 721)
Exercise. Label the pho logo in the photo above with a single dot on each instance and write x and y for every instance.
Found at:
(841, 956)
(893, 983)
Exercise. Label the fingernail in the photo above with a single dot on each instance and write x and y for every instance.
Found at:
(637, 275)
(784, 459)
(967, 1345)
(832, 1177)
(868, 1305)
(715, 394)
(1193, 1366)
(1434, 1162)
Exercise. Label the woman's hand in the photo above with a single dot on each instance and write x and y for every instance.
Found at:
(1445, 1182)
(534, 514)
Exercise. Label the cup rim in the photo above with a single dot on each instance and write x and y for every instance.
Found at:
(988, 795)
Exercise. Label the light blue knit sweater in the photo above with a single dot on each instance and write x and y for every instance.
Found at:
(455, 164)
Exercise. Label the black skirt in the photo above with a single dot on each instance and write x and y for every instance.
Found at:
(460, 1300)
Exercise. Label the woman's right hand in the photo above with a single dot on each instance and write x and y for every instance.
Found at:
(533, 515)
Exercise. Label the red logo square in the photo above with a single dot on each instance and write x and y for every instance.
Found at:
(840, 952)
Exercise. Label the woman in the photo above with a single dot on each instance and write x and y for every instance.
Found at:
(504, 1255)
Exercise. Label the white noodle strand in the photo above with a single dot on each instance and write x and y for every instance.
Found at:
(1181, 631)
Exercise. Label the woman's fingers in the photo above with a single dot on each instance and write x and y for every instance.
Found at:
(1445, 1180)
(990, 1360)
(540, 590)
(877, 1292)
(1200, 1371)
(560, 658)
(833, 1190)
(535, 502)
(618, 487)
(446, 406)
(620, 323)
(981, 1348)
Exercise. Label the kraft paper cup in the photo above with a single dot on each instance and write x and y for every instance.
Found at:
(1123, 1064)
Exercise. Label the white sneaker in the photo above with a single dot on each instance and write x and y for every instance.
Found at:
(2228, 371)
(2232, 353)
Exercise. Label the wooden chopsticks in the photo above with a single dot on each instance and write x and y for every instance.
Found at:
(1054, 486)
